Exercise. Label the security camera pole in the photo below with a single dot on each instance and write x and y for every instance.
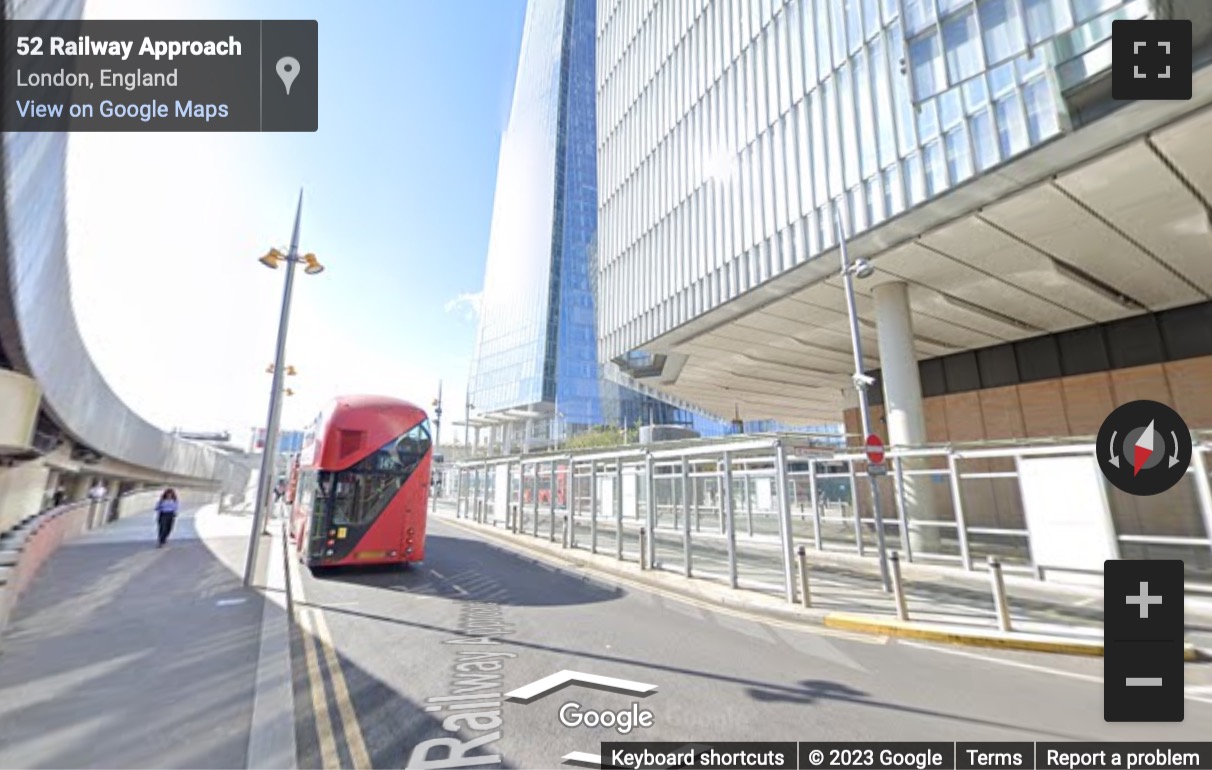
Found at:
(861, 383)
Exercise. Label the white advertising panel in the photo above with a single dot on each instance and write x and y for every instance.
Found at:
(1065, 506)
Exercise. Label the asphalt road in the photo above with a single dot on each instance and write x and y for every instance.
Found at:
(396, 636)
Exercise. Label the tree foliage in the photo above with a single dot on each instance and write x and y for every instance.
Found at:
(602, 436)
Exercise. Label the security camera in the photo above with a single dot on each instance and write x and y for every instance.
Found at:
(863, 381)
(862, 268)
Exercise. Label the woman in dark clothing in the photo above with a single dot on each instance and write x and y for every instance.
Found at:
(166, 514)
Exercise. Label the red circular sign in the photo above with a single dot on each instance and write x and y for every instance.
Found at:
(875, 449)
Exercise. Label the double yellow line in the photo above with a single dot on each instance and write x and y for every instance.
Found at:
(321, 658)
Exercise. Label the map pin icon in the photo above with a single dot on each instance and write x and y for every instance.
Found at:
(288, 70)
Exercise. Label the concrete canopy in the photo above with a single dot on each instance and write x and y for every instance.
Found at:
(499, 418)
(1106, 222)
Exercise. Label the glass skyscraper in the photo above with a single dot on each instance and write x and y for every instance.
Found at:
(536, 350)
(730, 130)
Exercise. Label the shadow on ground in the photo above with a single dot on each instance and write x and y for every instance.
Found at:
(122, 654)
(457, 566)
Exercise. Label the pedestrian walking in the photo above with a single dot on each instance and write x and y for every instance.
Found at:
(166, 514)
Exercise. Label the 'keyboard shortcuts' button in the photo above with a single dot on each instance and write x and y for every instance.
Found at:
(1143, 601)
(1143, 681)
(1151, 59)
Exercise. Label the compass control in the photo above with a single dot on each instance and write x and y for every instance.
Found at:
(1144, 448)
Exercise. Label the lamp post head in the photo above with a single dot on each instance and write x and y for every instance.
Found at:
(272, 259)
(311, 265)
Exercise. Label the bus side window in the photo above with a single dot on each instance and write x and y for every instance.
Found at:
(412, 447)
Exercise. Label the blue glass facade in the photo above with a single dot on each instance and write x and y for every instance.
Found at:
(572, 354)
(513, 346)
(537, 347)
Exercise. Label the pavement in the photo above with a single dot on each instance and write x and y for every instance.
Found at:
(123, 654)
(943, 603)
(390, 646)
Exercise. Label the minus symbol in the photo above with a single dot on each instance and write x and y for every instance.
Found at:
(1144, 681)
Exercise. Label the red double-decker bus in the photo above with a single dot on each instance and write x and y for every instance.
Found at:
(360, 487)
(561, 487)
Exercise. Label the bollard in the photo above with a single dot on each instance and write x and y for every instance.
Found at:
(805, 596)
(898, 588)
(564, 531)
(1000, 603)
(643, 548)
(513, 519)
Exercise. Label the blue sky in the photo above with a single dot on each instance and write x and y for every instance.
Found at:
(398, 181)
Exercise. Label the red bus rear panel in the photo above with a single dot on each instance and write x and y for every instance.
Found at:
(361, 484)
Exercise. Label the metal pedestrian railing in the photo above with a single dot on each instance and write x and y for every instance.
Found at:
(736, 510)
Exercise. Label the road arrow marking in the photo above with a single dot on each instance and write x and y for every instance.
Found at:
(550, 684)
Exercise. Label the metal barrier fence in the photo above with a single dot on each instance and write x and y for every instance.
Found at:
(735, 510)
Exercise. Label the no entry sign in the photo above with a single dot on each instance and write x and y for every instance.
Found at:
(875, 449)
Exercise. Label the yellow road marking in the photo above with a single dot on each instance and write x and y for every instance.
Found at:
(351, 728)
(319, 700)
(349, 717)
(705, 605)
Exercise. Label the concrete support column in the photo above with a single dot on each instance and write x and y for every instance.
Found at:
(22, 488)
(79, 488)
(903, 409)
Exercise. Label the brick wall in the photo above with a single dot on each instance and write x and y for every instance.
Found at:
(1069, 406)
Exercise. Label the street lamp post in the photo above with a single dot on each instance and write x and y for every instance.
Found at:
(437, 439)
(437, 417)
(467, 407)
(861, 382)
(275, 423)
(269, 455)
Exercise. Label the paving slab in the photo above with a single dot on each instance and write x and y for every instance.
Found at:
(123, 654)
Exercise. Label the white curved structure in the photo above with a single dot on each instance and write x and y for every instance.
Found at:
(39, 336)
